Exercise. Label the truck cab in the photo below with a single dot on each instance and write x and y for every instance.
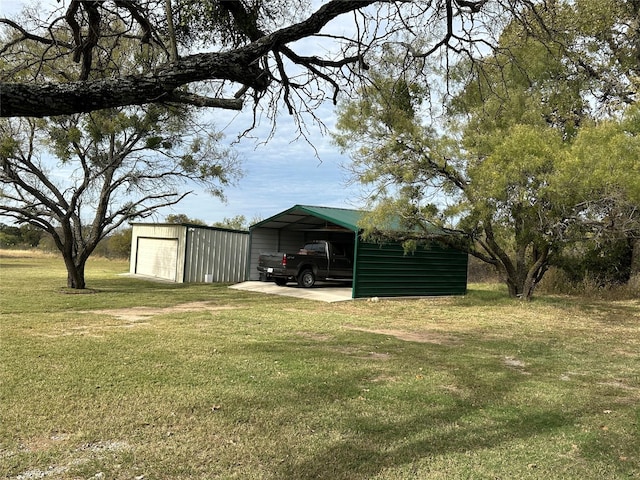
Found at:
(316, 260)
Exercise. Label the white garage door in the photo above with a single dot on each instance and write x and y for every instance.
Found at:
(157, 257)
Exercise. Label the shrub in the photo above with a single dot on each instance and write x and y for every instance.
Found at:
(557, 282)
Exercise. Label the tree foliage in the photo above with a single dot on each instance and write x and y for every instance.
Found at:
(523, 166)
(183, 218)
(110, 167)
(237, 222)
(118, 244)
(24, 236)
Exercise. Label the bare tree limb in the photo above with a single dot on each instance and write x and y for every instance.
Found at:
(244, 65)
(187, 98)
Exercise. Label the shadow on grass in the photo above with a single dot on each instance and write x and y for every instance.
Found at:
(129, 284)
(492, 295)
(372, 451)
(484, 294)
(123, 292)
(403, 421)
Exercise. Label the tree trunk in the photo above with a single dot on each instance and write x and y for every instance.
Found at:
(75, 274)
(512, 285)
(520, 278)
(518, 286)
(522, 283)
(527, 289)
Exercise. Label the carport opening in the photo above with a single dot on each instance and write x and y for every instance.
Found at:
(303, 242)
(290, 231)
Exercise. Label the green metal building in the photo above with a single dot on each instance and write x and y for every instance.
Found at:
(379, 270)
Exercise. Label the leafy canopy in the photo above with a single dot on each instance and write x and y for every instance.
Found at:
(523, 163)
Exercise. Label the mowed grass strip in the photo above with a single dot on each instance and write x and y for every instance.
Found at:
(140, 379)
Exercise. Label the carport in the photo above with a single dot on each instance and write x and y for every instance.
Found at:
(380, 270)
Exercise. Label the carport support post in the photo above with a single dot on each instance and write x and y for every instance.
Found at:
(354, 275)
(247, 270)
(187, 240)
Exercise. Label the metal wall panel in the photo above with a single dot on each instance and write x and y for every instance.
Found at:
(176, 232)
(215, 255)
(202, 251)
(387, 271)
(269, 240)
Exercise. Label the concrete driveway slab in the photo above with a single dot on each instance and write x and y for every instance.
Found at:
(322, 292)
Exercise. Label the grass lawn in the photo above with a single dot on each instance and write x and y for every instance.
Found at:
(143, 380)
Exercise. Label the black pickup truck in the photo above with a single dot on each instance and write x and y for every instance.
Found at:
(317, 260)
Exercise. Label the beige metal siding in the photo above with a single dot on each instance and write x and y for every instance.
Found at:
(265, 241)
(200, 251)
(220, 254)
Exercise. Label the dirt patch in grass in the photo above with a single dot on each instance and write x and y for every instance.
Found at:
(516, 364)
(357, 352)
(130, 317)
(418, 337)
(45, 442)
(78, 291)
(82, 455)
(136, 314)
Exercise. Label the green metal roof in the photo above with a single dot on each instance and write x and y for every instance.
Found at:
(301, 217)
(341, 216)
(308, 217)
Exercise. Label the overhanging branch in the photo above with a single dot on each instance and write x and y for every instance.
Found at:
(202, 101)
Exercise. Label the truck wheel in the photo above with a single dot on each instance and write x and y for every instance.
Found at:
(306, 279)
(281, 282)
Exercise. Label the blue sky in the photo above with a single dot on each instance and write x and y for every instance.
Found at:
(277, 175)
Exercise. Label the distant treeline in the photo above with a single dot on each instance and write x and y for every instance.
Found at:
(117, 245)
